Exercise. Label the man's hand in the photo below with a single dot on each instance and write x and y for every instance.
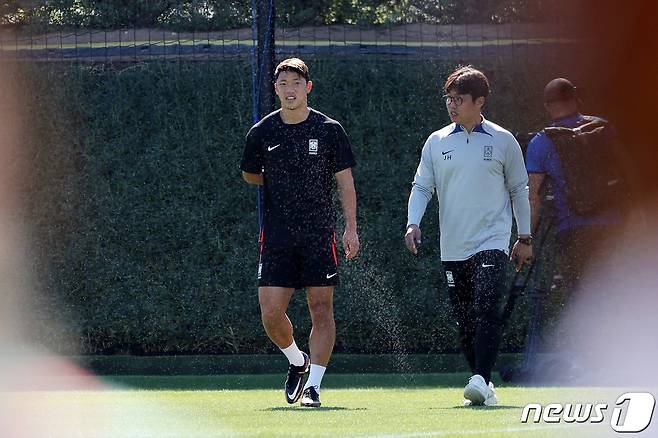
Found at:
(351, 243)
(521, 255)
(412, 238)
(253, 178)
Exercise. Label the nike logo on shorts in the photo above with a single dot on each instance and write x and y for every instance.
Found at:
(332, 275)
(487, 266)
(271, 148)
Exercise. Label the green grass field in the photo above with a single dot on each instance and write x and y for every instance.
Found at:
(352, 406)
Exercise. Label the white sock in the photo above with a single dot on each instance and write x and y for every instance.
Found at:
(293, 354)
(315, 376)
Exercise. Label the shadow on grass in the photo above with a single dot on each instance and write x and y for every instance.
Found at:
(303, 409)
(482, 408)
(275, 381)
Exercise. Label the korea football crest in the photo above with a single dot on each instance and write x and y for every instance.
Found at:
(313, 146)
(488, 153)
(450, 279)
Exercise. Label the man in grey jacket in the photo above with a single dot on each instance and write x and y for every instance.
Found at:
(479, 175)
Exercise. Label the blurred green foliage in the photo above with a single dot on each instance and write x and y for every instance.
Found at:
(202, 15)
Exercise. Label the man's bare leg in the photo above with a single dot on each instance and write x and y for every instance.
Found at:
(321, 341)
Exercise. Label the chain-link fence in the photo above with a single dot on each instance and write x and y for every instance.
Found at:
(197, 30)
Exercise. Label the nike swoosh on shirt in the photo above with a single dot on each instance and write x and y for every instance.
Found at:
(332, 275)
(447, 152)
(271, 148)
(487, 266)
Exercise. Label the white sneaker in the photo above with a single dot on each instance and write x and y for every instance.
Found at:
(491, 399)
(477, 392)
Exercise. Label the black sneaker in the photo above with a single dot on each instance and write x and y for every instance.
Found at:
(311, 398)
(295, 380)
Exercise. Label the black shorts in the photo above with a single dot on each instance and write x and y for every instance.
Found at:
(478, 284)
(314, 264)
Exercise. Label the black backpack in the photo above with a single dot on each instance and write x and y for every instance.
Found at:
(592, 174)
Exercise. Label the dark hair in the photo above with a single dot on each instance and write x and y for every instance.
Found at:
(292, 64)
(559, 90)
(467, 80)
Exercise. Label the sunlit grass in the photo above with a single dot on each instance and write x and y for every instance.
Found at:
(426, 405)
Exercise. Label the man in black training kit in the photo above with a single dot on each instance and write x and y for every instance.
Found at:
(295, 153)
(478, 172)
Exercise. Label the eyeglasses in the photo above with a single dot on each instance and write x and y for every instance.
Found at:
(457, 100)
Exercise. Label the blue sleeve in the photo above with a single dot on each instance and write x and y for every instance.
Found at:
(535, 161)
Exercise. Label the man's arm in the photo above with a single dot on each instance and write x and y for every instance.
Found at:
(421, 193)
(347, 195)
(253, 178)
(516, 181)
(535, 181)
(536, 156)
(251, 164)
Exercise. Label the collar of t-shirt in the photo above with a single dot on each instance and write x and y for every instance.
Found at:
(476, 128)
(292, 125)
(569, 121)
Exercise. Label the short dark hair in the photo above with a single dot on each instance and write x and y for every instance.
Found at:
(467, 80)
(292, 64)
(559, 90)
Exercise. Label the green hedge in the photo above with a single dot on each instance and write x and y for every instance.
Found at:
(144, 237)
(117, 365)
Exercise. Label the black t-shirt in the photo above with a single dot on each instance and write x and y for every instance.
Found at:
(298, 162)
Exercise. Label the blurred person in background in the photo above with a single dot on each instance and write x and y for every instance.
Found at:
(577, 156)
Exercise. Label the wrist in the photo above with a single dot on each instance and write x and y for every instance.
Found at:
(526, 239)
